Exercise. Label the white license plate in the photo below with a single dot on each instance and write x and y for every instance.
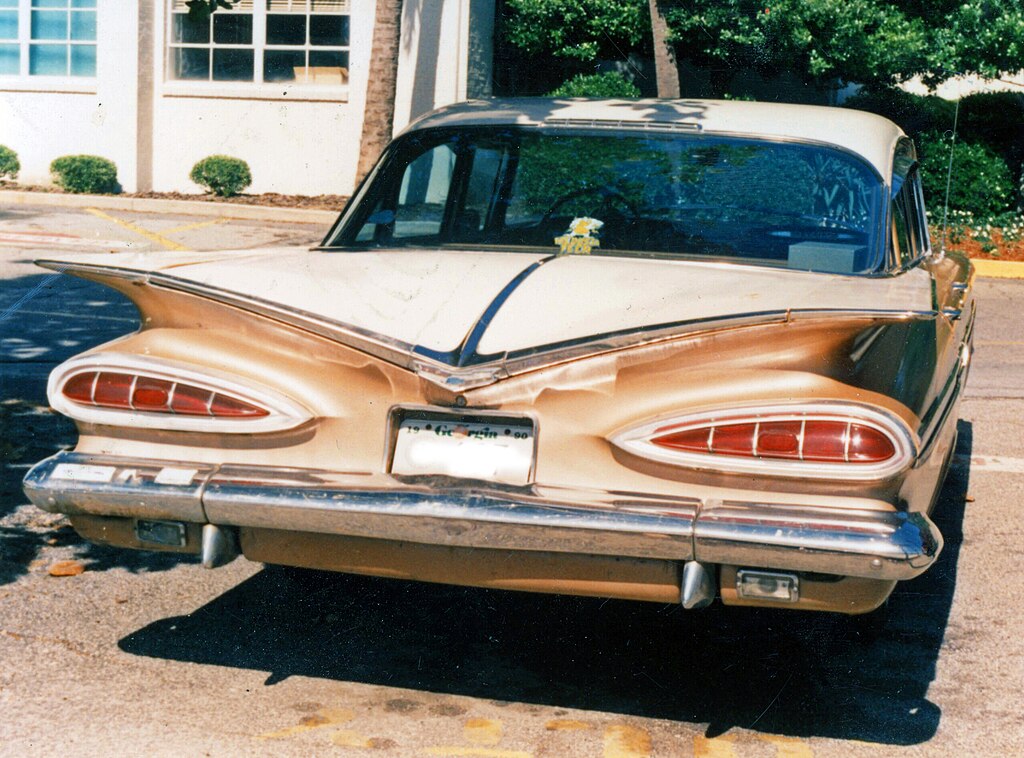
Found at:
(498, 450)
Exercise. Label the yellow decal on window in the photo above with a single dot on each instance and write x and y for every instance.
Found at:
(581, 237)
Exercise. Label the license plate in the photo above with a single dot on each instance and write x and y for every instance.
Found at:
(498, 449)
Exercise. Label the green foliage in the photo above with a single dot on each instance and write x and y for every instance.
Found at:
(610, 84)
(222, 175)
(819, 40)
(85, 173)
(981, 183)
(9, 164)
(579, 30)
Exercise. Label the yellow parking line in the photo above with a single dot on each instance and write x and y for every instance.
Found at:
(151, 236)
(481, 752)
(713, 747)
(621, 741)
(197, 225)
(788, 747)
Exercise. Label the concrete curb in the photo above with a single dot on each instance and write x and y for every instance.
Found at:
(998, 269)
(185, 207)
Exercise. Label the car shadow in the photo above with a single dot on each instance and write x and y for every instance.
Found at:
(774, 671)
(44, 320)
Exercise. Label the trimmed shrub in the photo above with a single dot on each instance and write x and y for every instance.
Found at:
(9, 164)
(610, 84)
(85, 173)
(982, 183)
(222, 175)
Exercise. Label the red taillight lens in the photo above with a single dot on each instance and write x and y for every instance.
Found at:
(151, 394)
(124, 391)
(113, 390)
(79, 387)
(810, 439)
(868, 445)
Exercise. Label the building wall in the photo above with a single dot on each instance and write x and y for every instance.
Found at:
(296, 140)
(42, 118)
(292, 145)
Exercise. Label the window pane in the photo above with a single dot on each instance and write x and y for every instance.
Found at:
(8, 3)
(49, 25)
(328, 30)
(9, 25)
(232, 65)
(8, 59)
(286, 29)
(48, 60)
(190, 63)
(423, 193)
(83, 60)
(83, 3)
(329, 66)
(83, 25)
(49, 3)
(232, 29)
(194, 32)
(284, 66)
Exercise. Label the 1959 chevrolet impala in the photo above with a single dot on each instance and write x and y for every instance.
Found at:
(662, 350)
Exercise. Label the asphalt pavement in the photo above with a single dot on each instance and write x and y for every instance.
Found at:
(148, 653)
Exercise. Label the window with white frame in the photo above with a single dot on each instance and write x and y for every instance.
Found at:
(48, 38)
(276, 41)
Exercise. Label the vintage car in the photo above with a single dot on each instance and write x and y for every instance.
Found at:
(673, 351)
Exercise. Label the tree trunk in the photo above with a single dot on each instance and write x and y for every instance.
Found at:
(665, 68)
(379, 114)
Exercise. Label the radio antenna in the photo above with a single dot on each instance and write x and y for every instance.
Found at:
(949, 180)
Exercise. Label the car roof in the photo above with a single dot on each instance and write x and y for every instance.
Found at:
(870, 136)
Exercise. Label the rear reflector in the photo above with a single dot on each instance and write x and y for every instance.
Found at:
(137, 392)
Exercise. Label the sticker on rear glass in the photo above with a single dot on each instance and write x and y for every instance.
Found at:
(581, 237)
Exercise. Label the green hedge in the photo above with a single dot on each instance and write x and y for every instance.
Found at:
(85, 173)
(987, 163)
(610, 84)
(9, 165)
(222, 175)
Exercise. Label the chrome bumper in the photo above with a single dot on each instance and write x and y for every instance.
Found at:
(881, 545)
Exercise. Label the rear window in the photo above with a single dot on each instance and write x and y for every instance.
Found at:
(624, 194)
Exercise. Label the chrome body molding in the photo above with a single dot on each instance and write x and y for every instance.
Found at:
(463, 370)
(881, 544)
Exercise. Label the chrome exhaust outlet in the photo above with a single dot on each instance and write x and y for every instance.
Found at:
(698, 587)
(219, 546)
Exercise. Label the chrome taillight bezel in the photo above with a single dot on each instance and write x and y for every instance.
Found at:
(636, 440)
(282, 412)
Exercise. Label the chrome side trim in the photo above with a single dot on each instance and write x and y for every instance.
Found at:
(480, 371)
(879, 544)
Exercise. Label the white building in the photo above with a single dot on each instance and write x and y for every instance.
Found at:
(278, 83)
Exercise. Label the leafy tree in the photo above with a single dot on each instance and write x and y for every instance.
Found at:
(580, 31)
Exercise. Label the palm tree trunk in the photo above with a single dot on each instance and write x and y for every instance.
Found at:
(379, 113)
(665, 69)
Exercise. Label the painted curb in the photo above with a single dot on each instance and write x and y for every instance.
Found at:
(998, 269)
(186, 207)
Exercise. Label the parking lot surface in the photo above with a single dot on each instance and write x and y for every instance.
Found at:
(147, 653)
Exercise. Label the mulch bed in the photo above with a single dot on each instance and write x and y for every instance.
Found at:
(1004, 251)
(314, 202)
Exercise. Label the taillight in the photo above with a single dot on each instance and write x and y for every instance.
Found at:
(816, 440)
(138, 392)
(821, 440)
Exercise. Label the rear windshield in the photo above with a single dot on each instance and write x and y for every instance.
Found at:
(628, 194)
